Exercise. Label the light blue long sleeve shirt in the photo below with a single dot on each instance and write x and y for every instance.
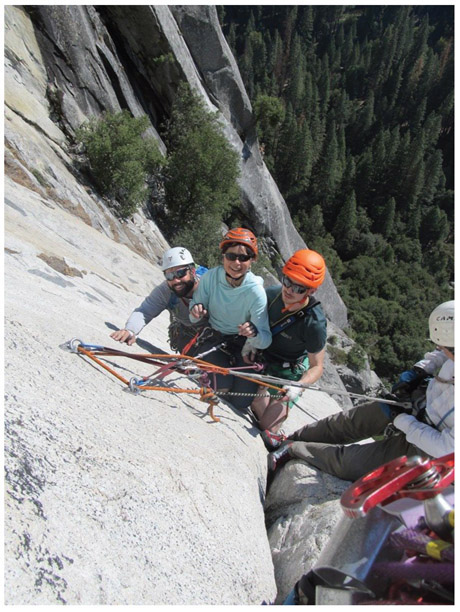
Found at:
(229, 306)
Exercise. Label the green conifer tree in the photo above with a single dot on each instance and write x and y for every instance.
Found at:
(259, 57)
(278, 53)
(202, 167)
(433, 177)
(388, 218)
(368, 115)
(295, 77)
(345, 229)
(305, 27)
(434, 227)
(328, 173)
(231, 38)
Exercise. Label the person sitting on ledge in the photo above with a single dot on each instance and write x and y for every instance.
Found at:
(426, 429)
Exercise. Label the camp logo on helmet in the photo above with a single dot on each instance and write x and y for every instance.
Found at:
(444, 318)
(441, 323)
(177, 256)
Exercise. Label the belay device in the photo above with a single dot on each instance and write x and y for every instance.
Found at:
(395, 542)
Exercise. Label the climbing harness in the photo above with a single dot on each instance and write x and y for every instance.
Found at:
(197, 339)
(193, 367)
(395, 542)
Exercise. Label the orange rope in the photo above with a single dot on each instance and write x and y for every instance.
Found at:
(209, 367)
(206, 394)
(106, 367)
(211, 413)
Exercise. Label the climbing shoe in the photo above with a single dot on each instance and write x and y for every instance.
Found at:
(271, 440)
(279, 457)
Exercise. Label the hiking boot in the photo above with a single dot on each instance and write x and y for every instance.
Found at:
(272, 440)
(279, 457)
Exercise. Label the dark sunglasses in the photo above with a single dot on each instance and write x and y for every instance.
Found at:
(295, 288)
(236, 256)
(176, 274)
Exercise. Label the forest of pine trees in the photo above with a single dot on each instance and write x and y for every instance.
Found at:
(354, 109)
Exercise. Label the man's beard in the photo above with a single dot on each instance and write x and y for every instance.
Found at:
(182, 291)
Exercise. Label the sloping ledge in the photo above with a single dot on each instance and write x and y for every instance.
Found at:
(113, 498)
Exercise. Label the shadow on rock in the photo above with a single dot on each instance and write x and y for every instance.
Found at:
(143, 344)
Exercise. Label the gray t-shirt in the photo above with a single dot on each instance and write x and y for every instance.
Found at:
(160, 299)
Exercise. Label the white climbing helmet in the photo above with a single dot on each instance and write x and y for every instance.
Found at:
(177, 256)
(441, 323)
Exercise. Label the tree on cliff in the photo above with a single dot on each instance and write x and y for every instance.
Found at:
(120, 158)
(199, 174)
(201, 177)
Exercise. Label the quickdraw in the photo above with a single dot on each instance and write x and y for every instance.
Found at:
(193, 367)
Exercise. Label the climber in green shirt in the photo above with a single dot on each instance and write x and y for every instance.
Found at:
(298, 328)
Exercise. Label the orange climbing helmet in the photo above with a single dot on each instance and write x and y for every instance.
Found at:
(242, 236)
(306, 267)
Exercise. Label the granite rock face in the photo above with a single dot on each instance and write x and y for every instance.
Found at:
(216, 64)
(363, 382)
(302, 509)
(37, 147)
(111, 498)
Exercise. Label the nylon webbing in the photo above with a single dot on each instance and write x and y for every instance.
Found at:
(186, 365)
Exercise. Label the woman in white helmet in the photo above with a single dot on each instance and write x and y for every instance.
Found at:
(426, 430)
(435, 436)
(173, 294)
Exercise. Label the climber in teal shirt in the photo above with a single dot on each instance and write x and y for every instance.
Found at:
(236, 303)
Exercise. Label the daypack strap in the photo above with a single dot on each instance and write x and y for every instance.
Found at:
(290, 319)
(448, 413)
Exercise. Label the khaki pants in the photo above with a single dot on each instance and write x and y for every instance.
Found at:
(330, 444)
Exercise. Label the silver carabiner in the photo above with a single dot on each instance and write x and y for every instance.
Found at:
(132, 387)
(74, 344)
